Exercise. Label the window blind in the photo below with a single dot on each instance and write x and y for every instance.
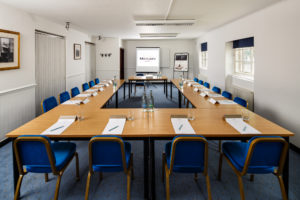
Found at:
(242, 43)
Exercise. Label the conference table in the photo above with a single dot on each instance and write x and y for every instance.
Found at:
(148, 79)
(148, 126)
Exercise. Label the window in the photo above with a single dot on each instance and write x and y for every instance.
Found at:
(244, 61)
(243, 52)
(204, 56)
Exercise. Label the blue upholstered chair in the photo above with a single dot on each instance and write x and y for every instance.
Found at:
(109, 154)
(139, 83)
(85, 87)
(227, 95)
(241, 101)
(216, 90)
(186, 154)
(37, 154)
(48, 104)
(260, 155)
(200, 82)
(64, 96)
(206, 84)
(75, 91)
(92, 83)
(97, 81)
(196, 79)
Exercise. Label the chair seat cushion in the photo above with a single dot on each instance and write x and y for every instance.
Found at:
(63, 152)
(181, 168)
(236, 152)
(115, 168)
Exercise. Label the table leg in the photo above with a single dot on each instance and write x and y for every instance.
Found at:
(15, 170)
(129, 82)
(152, 169)
(166, 88)
(171, 91)
(117, 99)
(130, 86)
(124, 91)
(146, 168)
(179, 99)
(285, 173)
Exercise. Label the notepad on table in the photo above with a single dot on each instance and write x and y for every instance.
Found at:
(72, 102)
(84, 95)
(214, 95)
(228, 102)
(91, 90)
(182, 126)
(60, 126)
(114, 126)
(241, 126)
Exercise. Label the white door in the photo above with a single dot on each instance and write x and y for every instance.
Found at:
(90, 62)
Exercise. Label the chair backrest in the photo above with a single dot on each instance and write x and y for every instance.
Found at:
(189, 151)
(266, 151)
(75, 91)
(64, 96)
(33, 150)
(139, 74)
(216, 90)
(206, 84)
(107, 151)
(92, 83)
(196, 79)
(49, 103)
(200, 82)
(241, 101)
(85, 86)
(227, 95)
(97, 81)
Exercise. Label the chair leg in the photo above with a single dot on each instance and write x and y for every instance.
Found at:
(18, 186)
(46, 177)
(187, 103)
(208, 187)
(167, 183)
(128, 183)
(87, 186)
(134, 89)
(283, 192)
(77, 167)
(220, 166)
(163, 167)
(251, 177)
(241, 187)
(131, 164)
(220, 146)
(195, 176)
(100, 176)
(57, 186)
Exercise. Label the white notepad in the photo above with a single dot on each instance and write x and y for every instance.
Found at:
(241, 126)
(60, 126)
(91, 90)
(84, 95)
(182, 126)
(114, 126)
(228, 102)
(214, 95)
(72, 102)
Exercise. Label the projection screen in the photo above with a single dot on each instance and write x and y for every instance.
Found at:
(147, 59)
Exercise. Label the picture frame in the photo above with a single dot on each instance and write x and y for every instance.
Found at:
(77, 51)
(181, 62)
(9, 50)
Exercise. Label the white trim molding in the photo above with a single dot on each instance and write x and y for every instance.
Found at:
(4, 92)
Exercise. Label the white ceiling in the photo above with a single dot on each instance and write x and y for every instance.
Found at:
(115, 18)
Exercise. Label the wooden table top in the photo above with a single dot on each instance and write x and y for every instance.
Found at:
(208, 122)
(143, 78)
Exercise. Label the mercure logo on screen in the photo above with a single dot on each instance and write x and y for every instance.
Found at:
(147, 58)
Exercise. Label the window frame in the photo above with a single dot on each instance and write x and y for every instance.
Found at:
(242, 62)
(204, 60)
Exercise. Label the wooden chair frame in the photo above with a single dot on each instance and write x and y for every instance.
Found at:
(51, 158)
(277, 172)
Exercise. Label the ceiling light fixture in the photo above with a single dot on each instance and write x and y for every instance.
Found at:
(168, 22)
(67, 25)
(158, 35)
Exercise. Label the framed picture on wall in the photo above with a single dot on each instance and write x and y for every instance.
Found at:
(181, 62)
(9, 50)
(77, 51)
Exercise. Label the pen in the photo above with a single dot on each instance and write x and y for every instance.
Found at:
(180, 127)
(57, 128)
(113, 128)
(244, 129)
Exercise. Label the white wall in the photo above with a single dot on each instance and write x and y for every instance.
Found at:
(276, 34)
(167, 47)
(17, 87)
(107, 67)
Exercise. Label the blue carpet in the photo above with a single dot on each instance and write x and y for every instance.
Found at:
(113, 186)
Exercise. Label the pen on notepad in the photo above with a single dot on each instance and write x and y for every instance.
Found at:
(57, 128)
(244, 129)
(180, 127)
(113, 128)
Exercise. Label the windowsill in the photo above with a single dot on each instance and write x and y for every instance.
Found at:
(243, 77)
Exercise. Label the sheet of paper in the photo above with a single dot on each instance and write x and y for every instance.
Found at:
(91, 90)
(226, 102)
(84, 95)
(101, 89)
(94, 94)
(72, 102)
(98, 86)
(214, 95)
(114, 126)
(213, 101)
(182, 126)
(85, 101)
(196, 89)
(60, 126)
(242, 127)
(202, 94)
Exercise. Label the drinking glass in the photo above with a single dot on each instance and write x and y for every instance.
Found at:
(191, 114)
(130, 116)
(245, 114)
